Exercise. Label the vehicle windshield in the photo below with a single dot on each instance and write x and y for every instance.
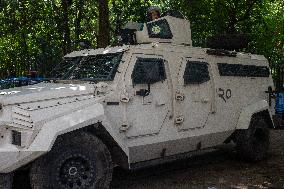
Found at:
(100, 67)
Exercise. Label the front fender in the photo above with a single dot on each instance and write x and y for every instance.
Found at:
(65, 124)
(12, 157)
(247, 113)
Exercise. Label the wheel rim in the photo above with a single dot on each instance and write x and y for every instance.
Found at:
(76, 172)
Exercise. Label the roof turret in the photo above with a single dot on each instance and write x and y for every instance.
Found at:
(167, 29)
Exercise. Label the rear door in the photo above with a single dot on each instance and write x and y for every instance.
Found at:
(193, 95)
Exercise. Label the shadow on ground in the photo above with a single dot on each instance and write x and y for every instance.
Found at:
(220, 169)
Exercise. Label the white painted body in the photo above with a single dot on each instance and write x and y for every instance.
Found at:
(144, 128)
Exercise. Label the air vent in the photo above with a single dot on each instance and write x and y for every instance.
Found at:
(21, 118)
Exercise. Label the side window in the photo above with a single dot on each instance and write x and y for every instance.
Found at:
(196, 73)
(148, 71)
(239, 70)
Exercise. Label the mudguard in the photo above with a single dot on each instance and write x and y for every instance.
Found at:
(247, 113)
(13, 158)
(68, 123)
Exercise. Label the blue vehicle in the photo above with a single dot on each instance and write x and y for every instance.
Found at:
(279, 106)
(279, 109)
(21, 81)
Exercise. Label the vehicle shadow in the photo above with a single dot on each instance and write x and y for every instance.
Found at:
(219, 169)
(121, 177)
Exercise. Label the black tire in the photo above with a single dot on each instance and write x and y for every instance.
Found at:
(253, 143)
(77, 161)
(6, 181)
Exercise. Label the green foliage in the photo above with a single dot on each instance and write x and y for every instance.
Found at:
(36, 34)
(268, 34)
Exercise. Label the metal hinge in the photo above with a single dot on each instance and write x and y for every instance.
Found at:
(124, 98)
(124, 128)
(179, 96)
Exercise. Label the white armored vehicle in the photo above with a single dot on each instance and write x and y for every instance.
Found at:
(135, 106)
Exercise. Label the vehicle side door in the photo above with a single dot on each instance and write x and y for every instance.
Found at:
(193, 95)
(148, 86)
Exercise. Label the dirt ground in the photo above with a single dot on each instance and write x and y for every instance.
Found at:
(215, 170)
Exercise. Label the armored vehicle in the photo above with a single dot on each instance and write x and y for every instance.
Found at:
(134, 106)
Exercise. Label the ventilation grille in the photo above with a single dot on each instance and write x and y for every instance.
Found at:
(21, 119)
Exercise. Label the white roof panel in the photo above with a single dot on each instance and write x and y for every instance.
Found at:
(88, 52)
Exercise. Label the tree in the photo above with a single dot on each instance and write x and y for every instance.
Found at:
(79, 16)
(65, 26)
(104, 24)
(36, 34)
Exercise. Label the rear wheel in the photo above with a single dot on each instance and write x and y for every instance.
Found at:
(81, 161)
(253, 143)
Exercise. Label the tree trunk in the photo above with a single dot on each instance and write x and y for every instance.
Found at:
(23, 35)
(80, 4)
(104, 25)
(67, 38)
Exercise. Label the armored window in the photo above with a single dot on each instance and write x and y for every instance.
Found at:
(239, 70)
(101, 67)
(196, 73)
(65, 67)
(159, 29)
(148, 71)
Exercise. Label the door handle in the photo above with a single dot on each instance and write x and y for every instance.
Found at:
(143, 92)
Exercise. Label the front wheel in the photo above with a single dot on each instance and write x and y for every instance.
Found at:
(6, 181)
(80, 162)
(253, 143)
